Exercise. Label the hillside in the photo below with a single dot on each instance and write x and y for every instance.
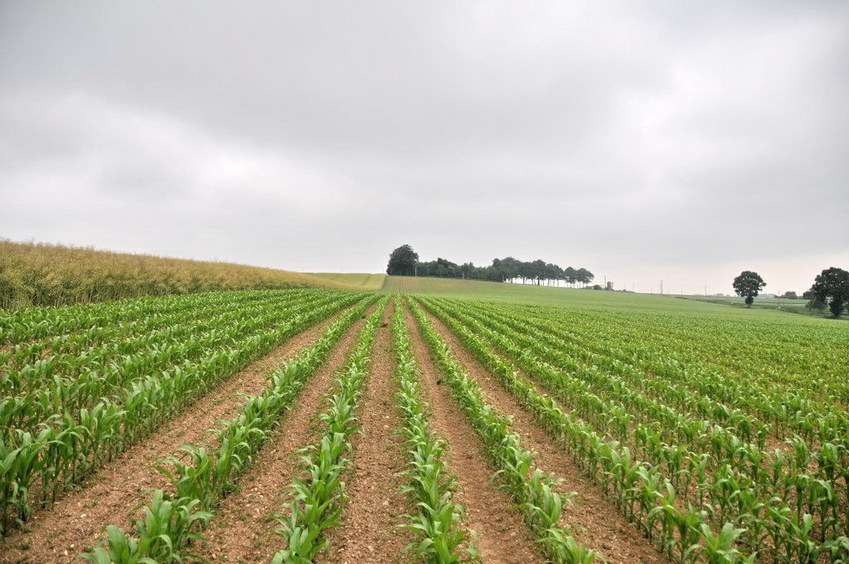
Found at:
(537, 295)
(360, 280)
(52, 275)
(523, 293)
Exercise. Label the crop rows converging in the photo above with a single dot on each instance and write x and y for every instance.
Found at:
(71, 402)
(758, 473)
(320, 426)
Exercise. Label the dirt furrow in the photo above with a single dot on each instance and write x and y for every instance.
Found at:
(244, 523)
(502, 534)
(596, 521)
(374, 504)
(111, 496)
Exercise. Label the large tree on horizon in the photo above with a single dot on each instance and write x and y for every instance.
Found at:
(831, 283)
(402, 261)
(748, 285)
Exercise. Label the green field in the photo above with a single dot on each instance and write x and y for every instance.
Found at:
(358, 280)
(712, 433)
(525, 293)
(570, 297)
(793, 306)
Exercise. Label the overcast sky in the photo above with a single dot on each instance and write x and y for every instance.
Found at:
(644, 141)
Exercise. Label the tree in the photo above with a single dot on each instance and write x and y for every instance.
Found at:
(538, 270)
(553, 273)
(584, 276)
(570, 275)
(831, 283)
(402, 261)
(748, 285)
(526, 271)
(509, 268)
(814, 301)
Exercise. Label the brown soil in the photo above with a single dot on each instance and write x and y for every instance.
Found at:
(112, 496)
(244, 524)
(502, 534)
(596, 522)
(374, 505)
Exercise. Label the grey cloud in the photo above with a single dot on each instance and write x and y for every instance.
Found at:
(626, 134)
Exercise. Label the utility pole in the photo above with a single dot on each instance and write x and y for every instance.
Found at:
(661, 287)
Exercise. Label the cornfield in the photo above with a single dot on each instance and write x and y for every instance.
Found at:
(706, 439)
(55, 275)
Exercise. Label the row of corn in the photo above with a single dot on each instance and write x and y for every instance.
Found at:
(701, 498)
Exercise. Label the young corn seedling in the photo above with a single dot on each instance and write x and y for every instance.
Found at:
(167, 525)
(533, 489)
(317, 504)
(202, 478)
(437, 524)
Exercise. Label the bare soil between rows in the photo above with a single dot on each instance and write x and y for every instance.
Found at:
(370, 526)
(76, 522)
(490, 511)
(596, 522)
(243, 529)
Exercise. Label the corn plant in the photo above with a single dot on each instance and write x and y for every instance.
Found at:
(167, 525)
(721, 478)
(437, 522)
(81, 440)
(319, 492)
(200, 477)
(532, 488)
(674, 528)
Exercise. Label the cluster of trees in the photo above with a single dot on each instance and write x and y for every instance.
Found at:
(404, 261)
(830, 288)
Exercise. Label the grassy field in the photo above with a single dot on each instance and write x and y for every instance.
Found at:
(355, 280)
(794, 306)
(518, 293)
(565, 297)
(730, 307)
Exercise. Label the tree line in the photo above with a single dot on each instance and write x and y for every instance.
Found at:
(404, 261)
(830, 288)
